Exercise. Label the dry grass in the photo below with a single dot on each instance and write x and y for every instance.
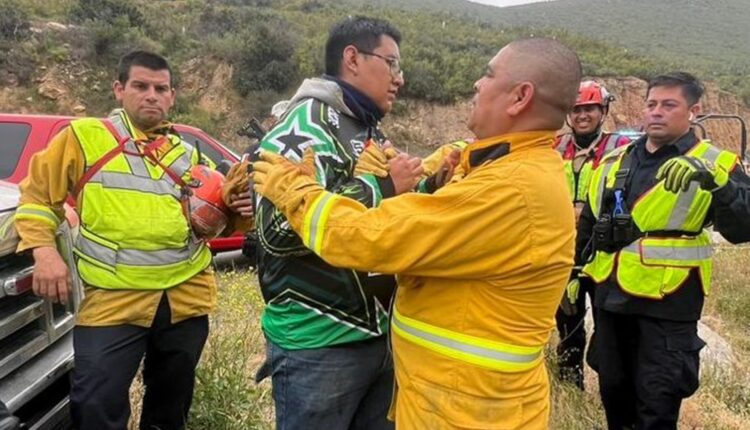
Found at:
(227, 398)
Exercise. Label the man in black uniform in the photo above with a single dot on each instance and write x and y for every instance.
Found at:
(645, 225)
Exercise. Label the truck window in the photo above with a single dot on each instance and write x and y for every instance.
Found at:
(206, 148)
(13, 137)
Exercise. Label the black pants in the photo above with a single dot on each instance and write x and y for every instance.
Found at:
(646, 367)
(572, 332)
(106, 361)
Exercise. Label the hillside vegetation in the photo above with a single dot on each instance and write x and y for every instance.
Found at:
(707, 37)
(270, 44)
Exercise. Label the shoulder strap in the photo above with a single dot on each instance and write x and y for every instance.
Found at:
(114, 152)
(623, 171)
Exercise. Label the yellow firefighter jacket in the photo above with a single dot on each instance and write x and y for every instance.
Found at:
(481, 267)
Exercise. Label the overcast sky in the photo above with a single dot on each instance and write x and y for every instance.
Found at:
(506, 2)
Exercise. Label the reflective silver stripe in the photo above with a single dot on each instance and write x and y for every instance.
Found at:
(475, 350)
(600, 186)
(712, 154)
(134, 257)
(611, 143)
(681, 208)
(633, 247)
(180, 166)
(136, 163)
(183, 163)
(678, 253)
(316, 217)
(96, 250)
(126, 181)
(119, 125)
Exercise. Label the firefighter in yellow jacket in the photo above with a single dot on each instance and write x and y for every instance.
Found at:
(148, 281)
(481, 262)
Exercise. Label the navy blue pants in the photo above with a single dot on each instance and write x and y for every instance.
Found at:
(107, 359)
(646, 367)
(346, 387)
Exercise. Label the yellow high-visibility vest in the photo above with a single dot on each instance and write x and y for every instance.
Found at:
(655, 266)
(133, 233)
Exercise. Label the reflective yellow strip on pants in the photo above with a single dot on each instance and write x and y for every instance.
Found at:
(470, 349)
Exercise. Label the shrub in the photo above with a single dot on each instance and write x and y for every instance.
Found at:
(265, 60)
(109, 11)
(14, 21)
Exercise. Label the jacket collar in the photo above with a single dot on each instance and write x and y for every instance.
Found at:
(682, 145)
(164, 128)
(484, 151)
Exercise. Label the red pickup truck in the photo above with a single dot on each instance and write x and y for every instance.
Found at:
(21, 136)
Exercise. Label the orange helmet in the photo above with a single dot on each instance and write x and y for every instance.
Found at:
(208, 213)
(593, 93)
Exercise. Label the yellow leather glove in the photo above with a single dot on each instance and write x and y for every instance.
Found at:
(284, 182)
(678, 172)
(433, 162)
(374, 160)
(570, 297)
(237, 181)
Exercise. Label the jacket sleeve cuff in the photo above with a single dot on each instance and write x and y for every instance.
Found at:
(725, 195)
(387, 189)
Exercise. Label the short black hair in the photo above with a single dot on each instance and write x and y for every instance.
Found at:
(145, 59)
(362, 32)
(692, 89)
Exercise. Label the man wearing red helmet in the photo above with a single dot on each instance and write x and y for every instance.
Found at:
(148, 280)
(582, 150)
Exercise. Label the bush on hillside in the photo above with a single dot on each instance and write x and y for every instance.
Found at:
(265, 60)
(109, 11)
(110, 41)
(14, 21)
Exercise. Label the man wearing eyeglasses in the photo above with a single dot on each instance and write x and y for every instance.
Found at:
(327, 349)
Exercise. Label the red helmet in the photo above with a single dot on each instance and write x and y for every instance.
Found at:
(593, 93)
(208, 213)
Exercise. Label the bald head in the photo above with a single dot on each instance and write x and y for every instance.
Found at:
(531, 84)
(553, 68)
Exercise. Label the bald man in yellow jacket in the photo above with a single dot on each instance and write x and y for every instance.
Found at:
(481, 263)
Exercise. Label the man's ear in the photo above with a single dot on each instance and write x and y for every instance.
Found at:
(521, 97)
(117, 89)
(349, 60)
(695, 110)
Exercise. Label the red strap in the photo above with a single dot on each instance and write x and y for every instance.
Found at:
(120, 148)
(150, 153)
(102, 161)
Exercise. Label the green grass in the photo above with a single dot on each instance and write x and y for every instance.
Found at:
(227, 398)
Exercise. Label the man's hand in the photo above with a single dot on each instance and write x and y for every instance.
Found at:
(51, 276)
(405, 172)
(445, 173)
(242, 204)
(570, 297)
(678, 172)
